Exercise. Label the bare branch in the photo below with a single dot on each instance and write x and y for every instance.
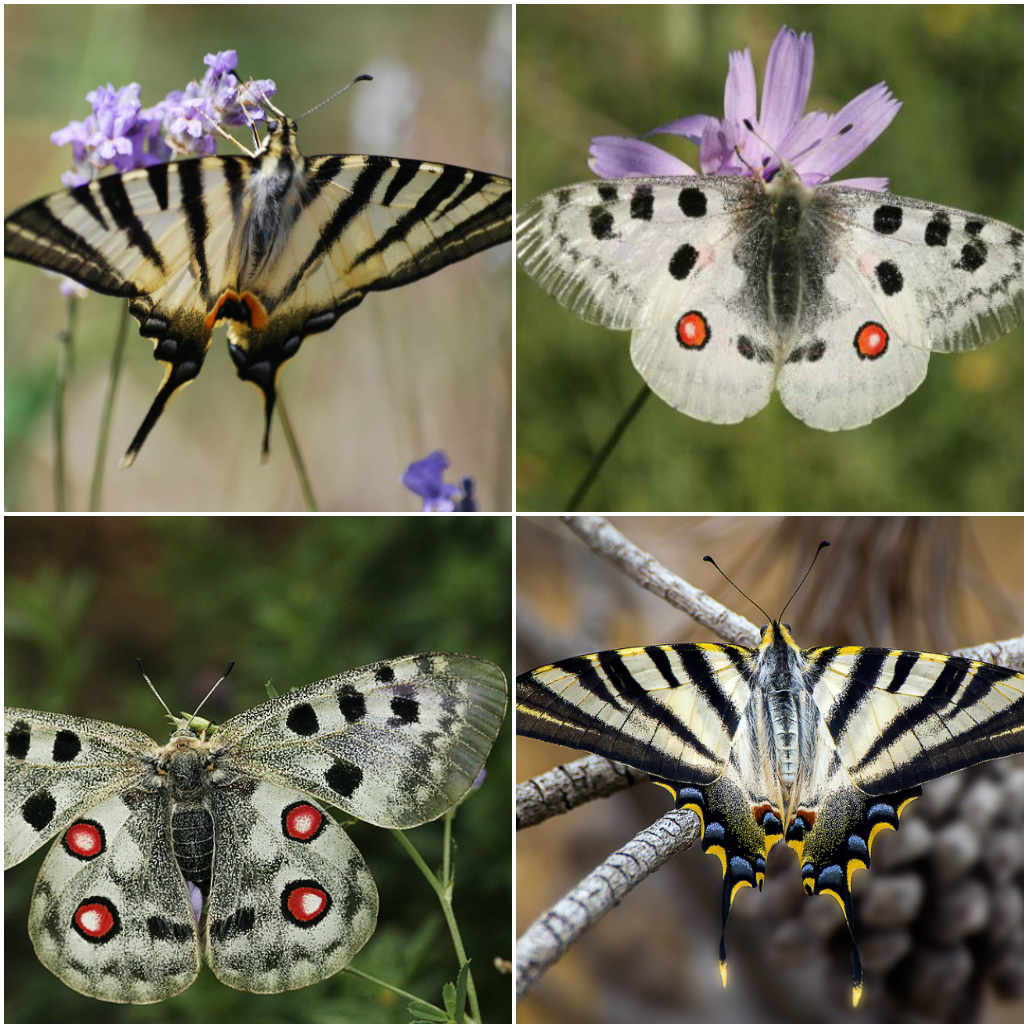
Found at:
(548, 938)
(569, 786)
(602, 537)
(1007, 653)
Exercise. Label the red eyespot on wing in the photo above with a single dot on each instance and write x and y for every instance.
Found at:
(871, 340)
(305, 903)
(85, 840)
(96, 919)
(302, 822)
(692, 330)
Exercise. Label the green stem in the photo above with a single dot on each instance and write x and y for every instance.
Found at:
(294, 450)
(445, 894)
(605, 451)
(64, 369)
(117, 359)
(393, 988)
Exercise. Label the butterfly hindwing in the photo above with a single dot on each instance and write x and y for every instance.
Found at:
(110, 913)
(733, 287)
(906, 278)
(276, 842)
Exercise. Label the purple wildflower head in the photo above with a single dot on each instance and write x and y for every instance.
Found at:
(425, 479)
(123, 135)
(815, 145)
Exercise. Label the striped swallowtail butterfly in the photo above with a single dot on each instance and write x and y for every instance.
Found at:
(275, 244)
(822, 748)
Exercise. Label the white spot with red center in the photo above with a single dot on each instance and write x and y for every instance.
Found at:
(692, 330)
(871, 339)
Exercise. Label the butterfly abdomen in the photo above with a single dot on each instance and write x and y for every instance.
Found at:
(192, 841)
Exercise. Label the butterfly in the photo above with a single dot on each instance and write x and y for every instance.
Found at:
(276, 245)
(734, 287)
(214, 847)
(822, 748)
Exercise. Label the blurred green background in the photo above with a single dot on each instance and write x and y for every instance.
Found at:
(411, 370)
(291, 600)
(957, 442)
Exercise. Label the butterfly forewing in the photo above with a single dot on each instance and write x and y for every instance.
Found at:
(901, 718)
(57, 766)
(395, 744)
(671, 711)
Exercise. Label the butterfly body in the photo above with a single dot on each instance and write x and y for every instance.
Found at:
(215, 847)
(276, 245)
(821, 747)
(733, 287)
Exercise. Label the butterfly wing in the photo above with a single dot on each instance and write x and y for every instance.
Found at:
(109, 903)
(56, 767)
(671, 711)
(900, 278)
(157, 236)
(278, 246)
(901, 718)
(395, 744)
(666, 258)
(360, 224)
(291, 899)
(110, 913)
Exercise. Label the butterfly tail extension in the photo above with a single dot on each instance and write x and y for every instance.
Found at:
(741, 844)
(264, 375)
(839, 844)
(182, 353)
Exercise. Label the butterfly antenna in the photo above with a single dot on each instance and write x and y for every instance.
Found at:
(734, 586)
(224, 675)
(146, 678)
(820, 547)
(359, 78)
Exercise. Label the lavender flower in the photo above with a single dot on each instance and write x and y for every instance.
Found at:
(814, 145)
(121, 134)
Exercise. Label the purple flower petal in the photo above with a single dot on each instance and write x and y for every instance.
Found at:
(691, 126)
(867, 116)
(618, 156)
(740, 88)
(790, 68)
